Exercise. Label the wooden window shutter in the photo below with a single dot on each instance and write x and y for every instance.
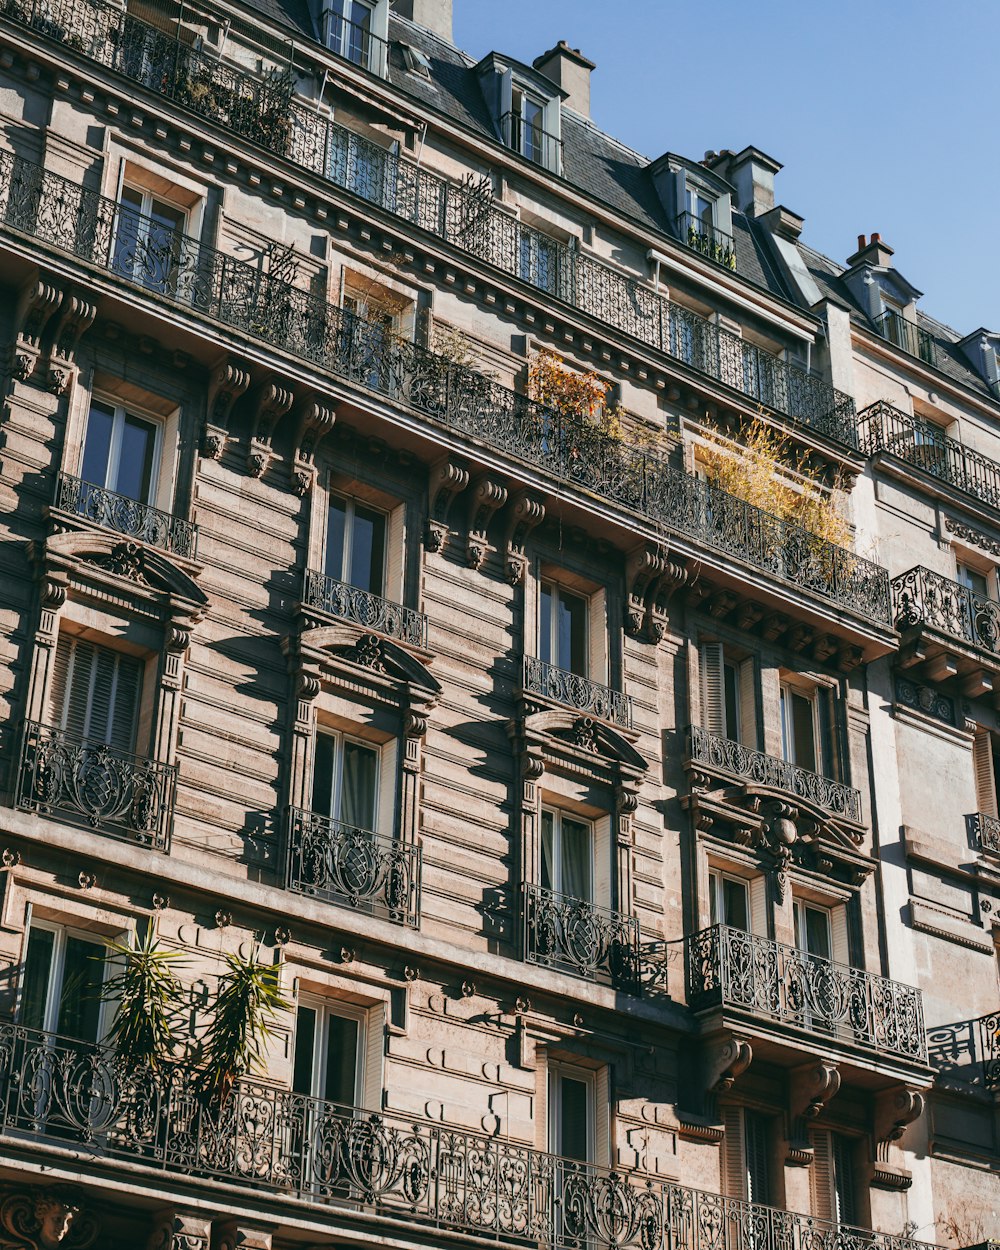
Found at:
(759, 906)
(603, 1154)
(757, 1144)
(597, 637)
(982, 763)
(604, 875)
(748, 704)
(374, 1058)
(395, 554)
(542, 1099)
(388, 788)
(829, 765)
(713, 703)
(821, 1192)
(95, 692)
(840, 940)
(844, 1187)
(734, 1165)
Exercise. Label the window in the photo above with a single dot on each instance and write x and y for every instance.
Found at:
(96, 692)
(63, 974)
(361, 166)
(527, 130)
(356, 545)
(571, 1113)
(563, 619)
(538, 259)
(346, 780)
(812, 929)
(729, 901)
(984, 765)
(370, 328)
(329, 1052)
(747, 1155)
(973, 579)
(701, 209)
(833, 1191)
(567, 855)
(805, 727)
(728, 694)
(350, 31)
(120, 453)
(148, 239)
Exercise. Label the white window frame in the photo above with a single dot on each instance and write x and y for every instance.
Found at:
(799, 907)
(341, 739)
(57, 970)
(557, 590)
(378, 30)
(145, 209)
(120, 412)
(716, 877)
(811, 694)
(587, 1077)
(351, 501)
(963, 570)
(324, 1009)
(557, 815)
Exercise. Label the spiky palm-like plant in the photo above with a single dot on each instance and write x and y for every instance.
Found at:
(149, 998)
(248, 1002)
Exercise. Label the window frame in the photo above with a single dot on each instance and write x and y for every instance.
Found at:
(558, 814)
(556, 591)
(119, 413)
(324, 1008)
(556, 1072)
(341, 738)
(352, 502)
(716, 879)
(965, 570)
(57, 972)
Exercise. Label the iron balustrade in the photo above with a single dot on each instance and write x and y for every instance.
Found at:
(417, 1172)
(922, 597)
(248, 298)
(531, 140)
(907, 335)
(730, 968)
(87, 782)
(580, 693)
(262, 108)
(364, 608)
(127, 516)
(707, 239)
(967, 1051)
(985, 832)
(767, 770)
(882, 427)
(579, 937)
(353, 867)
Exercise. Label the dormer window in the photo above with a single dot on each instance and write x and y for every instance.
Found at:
(912, 338)
(698, 227)
(357, 30)
(525, 130)
(526, 107)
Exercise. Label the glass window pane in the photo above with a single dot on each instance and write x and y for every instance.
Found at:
(572, 633)
(336, 527)
(97, 445)
(359, 786)
(804, 732)
(574, 1119)
(818, 932)
(548, 852)
(731, 682)
(367, 550)
(79, 1001)
(305, 1050)
(545, 626)
(135, 461)
(576, 859)
(37, 971)
(735, 903)
(341, 1060)
(322, 795)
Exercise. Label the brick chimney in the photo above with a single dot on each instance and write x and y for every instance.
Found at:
(752, 174)
(871, 252)
(433, 15)
(569, 69)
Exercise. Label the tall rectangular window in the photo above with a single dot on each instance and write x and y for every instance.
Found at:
(329, 1052)
(120, 452)
(63, 975)
(562, 639)
(729, 901)
(567, 855)
(356, 544)
(96, 692)
(728, 694)
(974, 580)
(527, 134)
(346, 780)
(747, 1155)
(806, 739)
(148, 239)
(571, 1113)
(350, 31)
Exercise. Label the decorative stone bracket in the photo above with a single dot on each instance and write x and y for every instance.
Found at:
(36, 304)
(448, 478)
(228, 382)
(524, 514)
(810, 1088)
(487, 497)
(895, 1110)
(75, 317)
(271, 402)
(651, 579)
(315, 421)
(722, 1064)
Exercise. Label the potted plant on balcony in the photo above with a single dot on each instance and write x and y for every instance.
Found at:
(149, 1000)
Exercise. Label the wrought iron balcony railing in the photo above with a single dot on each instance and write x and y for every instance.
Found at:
(531, 141)
(88, 782)
(730, 968)
(711, 242)
(263, 109)
(353, 867)
(127, 516)
(52, 210)
(356, 43)
(985, 832)
(907, 335)
(575, 936)
(881, 427)
(767, 770)
(364, 608)
(967, 1051)
(589, 697)
(922, 597)
(412, 1171)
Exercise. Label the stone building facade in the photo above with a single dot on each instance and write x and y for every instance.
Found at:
(627, 852)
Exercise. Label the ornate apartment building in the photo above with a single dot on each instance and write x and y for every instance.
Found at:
(623, 832)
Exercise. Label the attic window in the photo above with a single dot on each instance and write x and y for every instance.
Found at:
(415, 61)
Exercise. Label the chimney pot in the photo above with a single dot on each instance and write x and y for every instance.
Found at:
(876, 238)
(862, 242)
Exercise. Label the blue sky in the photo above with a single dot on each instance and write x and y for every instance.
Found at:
(885, 113)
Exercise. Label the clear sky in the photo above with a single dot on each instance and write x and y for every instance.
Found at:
(884, 112)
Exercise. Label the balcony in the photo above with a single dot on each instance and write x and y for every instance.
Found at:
(532, 142)
(967, 1052)
(949, 629)
(127, 516)
(740, 762)
(985, 832)
(357, 43)
(578, 937)
(409, 1173)
(907, 335)
(883, 428)
(730, 970)
(708, 241)
(262, 109)
(353, 868)
(365, 609)
(92, 784)
(43, 208)
(579, 693)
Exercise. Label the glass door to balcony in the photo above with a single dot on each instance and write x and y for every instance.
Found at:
(562, 633)
(346, 781)
(567, 866)
(120, 453)
(729, 901)
(327, 1076)
(356, 545)
(814, 940)
(148, 239)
